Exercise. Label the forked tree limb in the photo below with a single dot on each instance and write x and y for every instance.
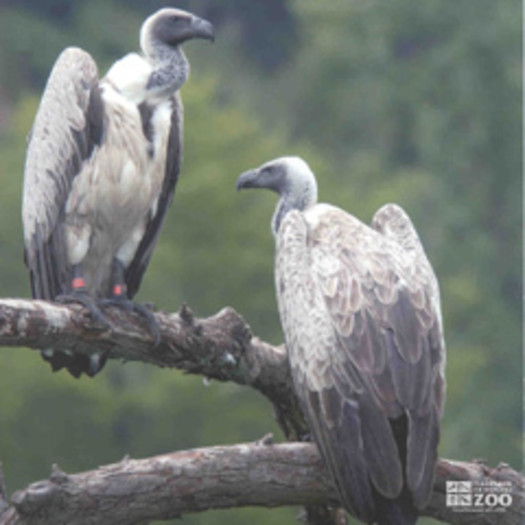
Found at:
(220, 347)
(256, 474)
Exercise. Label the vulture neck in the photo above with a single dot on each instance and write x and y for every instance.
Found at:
(171, 69)
(293, 197)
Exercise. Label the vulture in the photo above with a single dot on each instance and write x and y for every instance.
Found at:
(102, 162)
(360, 312)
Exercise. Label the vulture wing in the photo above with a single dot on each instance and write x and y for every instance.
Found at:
(136, 269)
(67, 127)
(362, 324)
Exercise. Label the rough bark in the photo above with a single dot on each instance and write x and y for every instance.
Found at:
(220, 347)
(256, 474)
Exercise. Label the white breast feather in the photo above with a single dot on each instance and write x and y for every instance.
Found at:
(130, 76)
(161, 121)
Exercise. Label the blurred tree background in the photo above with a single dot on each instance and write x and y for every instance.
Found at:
(407, 101)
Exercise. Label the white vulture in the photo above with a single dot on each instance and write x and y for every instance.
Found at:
(102, 163)
(360, 311)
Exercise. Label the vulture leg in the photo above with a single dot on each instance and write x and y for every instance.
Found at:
(80, 295)
(120, 299)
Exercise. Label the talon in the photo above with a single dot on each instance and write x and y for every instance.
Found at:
(121, 301)
(150, 306)
(151, 320)
(80, 296)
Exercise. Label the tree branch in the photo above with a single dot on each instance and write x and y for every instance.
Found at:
(257, 474)
(220, 347)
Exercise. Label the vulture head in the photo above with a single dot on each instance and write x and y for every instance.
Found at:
(171, 27)
(291, 178)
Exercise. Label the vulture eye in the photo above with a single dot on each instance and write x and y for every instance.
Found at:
(175, 18)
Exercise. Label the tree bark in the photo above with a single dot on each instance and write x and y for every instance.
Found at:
(255, 474)
(220, 347)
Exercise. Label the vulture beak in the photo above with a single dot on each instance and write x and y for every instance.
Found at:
(201, 28)
(249, 179)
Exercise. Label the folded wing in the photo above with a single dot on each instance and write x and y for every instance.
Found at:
(67, 128)
(361, 318)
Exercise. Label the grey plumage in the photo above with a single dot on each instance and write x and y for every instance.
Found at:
(102, 163)
(360, 311)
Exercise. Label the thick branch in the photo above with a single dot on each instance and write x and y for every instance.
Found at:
(216, 347)
(168, 486)
(220, 347)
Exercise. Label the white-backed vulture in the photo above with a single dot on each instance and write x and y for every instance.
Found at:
(102, 163)
(360, 311)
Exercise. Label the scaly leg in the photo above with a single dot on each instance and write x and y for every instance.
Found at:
(77, 364)
(120, 299)
(79, 294)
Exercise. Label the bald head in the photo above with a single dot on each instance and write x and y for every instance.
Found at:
(290, 177)
(283, 175)
(171, 27)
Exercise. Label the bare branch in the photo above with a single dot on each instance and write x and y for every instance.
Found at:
(220, 347)
(484, 477)
(168, 486)
(215, 347)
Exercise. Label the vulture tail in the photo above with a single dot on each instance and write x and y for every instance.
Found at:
(76, 364)
(400, 511)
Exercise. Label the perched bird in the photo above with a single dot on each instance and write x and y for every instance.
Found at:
(360, 311)
(102, 163)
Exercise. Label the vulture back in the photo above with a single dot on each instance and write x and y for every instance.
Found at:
(360, 312)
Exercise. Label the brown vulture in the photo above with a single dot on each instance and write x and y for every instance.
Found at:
(360, 311)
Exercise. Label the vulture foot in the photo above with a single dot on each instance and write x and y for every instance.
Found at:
(144, 310)
(80, 296)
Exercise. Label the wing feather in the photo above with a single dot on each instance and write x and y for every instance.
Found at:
(340, 419)
(375, 325)
(423, 438)
(67, 127)
(138, 265)
(380, 448)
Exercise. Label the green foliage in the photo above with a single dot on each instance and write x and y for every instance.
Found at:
(406, 101)
(419, 103)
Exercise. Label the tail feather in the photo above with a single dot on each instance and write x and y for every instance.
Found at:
(75, 364)
(400, 511)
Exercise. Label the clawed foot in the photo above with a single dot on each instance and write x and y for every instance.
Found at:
(144, 310)
(82, 297)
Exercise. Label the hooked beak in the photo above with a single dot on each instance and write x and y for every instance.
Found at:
(202, 29)
(248, 179)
